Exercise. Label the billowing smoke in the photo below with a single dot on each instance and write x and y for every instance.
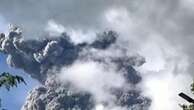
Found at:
(82, 76)
(159, 30)
(161, 35)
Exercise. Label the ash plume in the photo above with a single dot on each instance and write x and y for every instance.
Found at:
(65, 70)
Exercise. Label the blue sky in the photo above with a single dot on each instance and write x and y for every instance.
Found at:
(14, 99)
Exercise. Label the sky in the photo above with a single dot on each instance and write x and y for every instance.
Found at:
(159, 30)
(14, 99)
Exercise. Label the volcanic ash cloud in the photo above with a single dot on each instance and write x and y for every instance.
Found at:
(84, 76)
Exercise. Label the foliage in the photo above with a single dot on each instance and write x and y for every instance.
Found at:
(8, 81)
(191, 106)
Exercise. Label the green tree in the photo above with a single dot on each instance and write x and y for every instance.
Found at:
(191, 106)
(8, 81)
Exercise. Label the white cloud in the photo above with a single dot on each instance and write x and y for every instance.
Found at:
(93, 77)
(54, 29)
(163, 88)
(165, 73)
(101, 107)
(77, 35)
(80, 36)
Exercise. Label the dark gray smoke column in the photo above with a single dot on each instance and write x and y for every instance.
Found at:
(38, 58)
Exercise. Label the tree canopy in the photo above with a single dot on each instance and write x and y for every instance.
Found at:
(8, 81)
